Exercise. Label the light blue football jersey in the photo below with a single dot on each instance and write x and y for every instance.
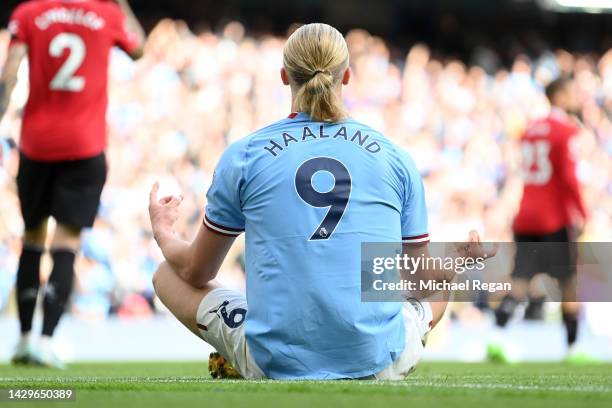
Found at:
(308, 194)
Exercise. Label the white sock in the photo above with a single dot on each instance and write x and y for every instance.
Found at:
(46, 344)
(24, 340)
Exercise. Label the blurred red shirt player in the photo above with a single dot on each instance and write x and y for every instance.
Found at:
(62, 166)
(550, 207)
(68, 49)
(551, 195)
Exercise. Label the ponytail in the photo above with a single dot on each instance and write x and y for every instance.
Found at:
(315, 57)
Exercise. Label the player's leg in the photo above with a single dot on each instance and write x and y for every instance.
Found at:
(535, 305)
(64, 247)
(563, 268)
(77, 189)
(33, 180)
(214, 314)
(28, 284)
(525, 267)
(570, 309)
(28, 274)
(179, 297)
(510, 301)
(420, 317)
(183, 301)
(566, 273)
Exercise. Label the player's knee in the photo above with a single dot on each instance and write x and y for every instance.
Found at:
(155, 280)
(570, 308)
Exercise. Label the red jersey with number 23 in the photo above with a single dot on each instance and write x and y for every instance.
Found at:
(551, 193)
(68, 43)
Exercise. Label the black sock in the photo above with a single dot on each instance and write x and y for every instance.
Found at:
(58, 289)
(535, 308)
(570, 320)
(505, 310)
(28, 282)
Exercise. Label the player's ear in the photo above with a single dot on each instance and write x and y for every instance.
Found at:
(284, 76)
(346, 76)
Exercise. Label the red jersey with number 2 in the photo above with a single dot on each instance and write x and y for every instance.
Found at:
(68, 43)
(551, 193)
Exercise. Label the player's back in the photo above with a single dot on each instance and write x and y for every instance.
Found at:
(68, 50)
(309, 194)
(547, 170)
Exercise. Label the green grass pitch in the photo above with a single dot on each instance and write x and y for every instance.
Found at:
(445, 385)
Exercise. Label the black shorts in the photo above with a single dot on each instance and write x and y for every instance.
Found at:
(553, 254)
(69, 191)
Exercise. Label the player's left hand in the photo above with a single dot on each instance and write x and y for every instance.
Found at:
(473, 248)
(163, 212)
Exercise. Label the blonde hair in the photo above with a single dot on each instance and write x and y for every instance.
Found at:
(315, 57)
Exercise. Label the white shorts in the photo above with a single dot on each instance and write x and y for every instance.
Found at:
(221, 317)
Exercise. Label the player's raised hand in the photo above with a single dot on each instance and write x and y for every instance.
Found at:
(473, 248)
(163, 212)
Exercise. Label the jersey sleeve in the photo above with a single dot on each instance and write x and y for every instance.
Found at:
(18, 26)
(121, 34)
(224, 209)
(414, 207)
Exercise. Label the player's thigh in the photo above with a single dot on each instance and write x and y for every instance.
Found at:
(35, 191)
(526, 261)
(77, 190)
(179, 297)
(563, 256)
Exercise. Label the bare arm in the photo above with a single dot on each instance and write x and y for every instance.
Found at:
(134, 26)
(8, 78)
(198, 262)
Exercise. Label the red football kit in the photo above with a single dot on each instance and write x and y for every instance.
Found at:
(68, 42)
(551, 191)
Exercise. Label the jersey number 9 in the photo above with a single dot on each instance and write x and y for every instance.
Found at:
(336, 199)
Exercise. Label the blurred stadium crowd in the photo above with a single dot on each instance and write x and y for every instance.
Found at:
(174, 112)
